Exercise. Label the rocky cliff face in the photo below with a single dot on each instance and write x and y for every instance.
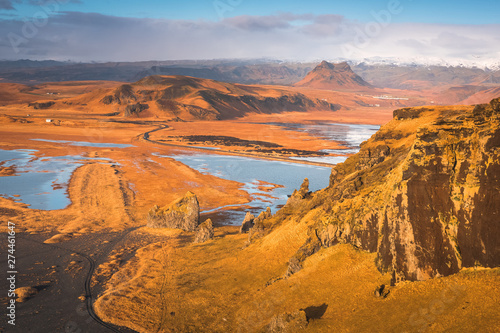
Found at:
(424, 193)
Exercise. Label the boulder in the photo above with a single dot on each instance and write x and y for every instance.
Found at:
(259, 227)
(183, 213)
(248, 223)
(288, 322)
(381, 291)
(205, 232)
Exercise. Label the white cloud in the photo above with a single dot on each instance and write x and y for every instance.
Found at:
(87, 36)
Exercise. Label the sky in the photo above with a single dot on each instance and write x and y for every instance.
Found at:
(123, 30)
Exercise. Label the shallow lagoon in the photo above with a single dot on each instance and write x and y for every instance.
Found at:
(349, 135)
(41, 182)
(289, 175)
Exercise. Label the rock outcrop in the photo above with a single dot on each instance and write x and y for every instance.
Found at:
(183, 213)
(423, 193)
(205, 232)
(259, 226)
(259, 221)
(42, 106)
(248, 223)
(299, 194)
(263, 216)
(310, 247)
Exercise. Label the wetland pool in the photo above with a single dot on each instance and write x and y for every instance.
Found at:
(42, 182)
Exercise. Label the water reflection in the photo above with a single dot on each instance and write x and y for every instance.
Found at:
(42, 182)
(86, 144)
(348, 135)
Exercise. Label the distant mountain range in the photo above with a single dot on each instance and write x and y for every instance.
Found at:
(381, 75)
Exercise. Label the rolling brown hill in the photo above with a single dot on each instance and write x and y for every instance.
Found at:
(333, 77)
(189, 98)
(464, 94)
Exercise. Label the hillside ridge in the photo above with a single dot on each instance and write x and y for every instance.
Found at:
(423, 193)
(189, 98)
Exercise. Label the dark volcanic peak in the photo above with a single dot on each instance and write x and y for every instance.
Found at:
(325, 65)
(342, 66)
(333, 77)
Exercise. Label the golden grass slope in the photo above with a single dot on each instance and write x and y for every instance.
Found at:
(178, 286)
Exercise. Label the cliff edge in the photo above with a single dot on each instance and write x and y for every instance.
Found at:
(423, 193)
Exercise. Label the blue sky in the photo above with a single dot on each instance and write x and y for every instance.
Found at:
(125, 30)
(415, 11)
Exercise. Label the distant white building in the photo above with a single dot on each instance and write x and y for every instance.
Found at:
(391, 98)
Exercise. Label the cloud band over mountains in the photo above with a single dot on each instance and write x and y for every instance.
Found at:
(95, 37)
